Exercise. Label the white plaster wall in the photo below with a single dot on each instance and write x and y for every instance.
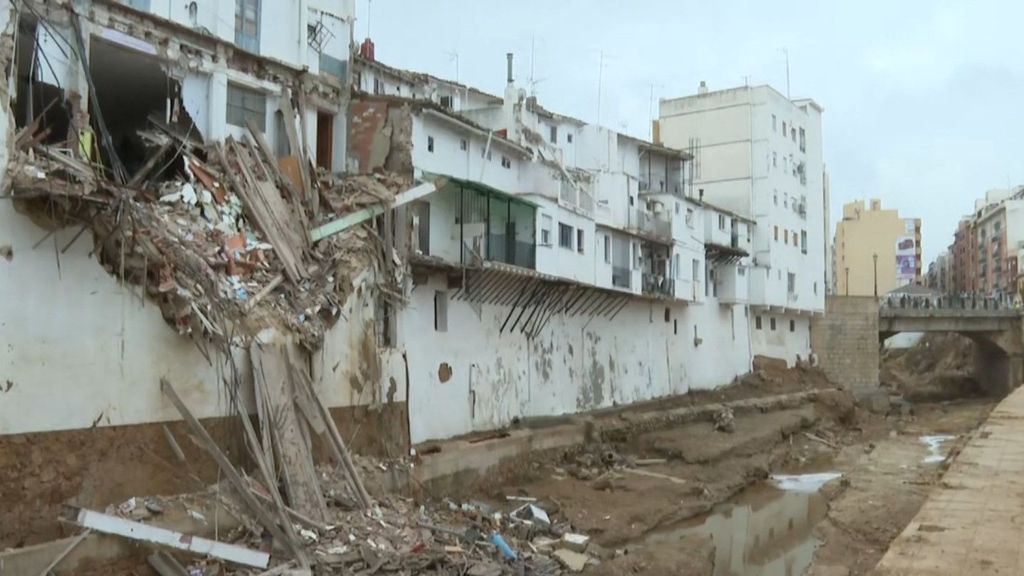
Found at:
(472, 164)
(565, 262)
(781, 342)
(575, 364)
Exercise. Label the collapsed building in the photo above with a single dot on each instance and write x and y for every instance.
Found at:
(203, 221)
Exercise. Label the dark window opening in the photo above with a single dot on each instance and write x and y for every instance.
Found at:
(565, 236)
(430, 143)
(772, 324)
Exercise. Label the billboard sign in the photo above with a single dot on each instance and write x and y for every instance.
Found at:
(906, 258)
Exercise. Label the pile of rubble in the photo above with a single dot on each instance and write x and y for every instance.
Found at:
(394, 535)
(217, 234)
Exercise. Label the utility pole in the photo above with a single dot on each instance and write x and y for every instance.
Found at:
(875, 257)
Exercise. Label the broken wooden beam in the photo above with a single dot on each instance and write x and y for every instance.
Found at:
(108, 524)
(64, 553)
(234, 477)
(359, 216)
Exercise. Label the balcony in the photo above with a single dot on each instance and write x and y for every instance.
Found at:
(648, 224)
(504, 248)
(621, 277)
(658, 285)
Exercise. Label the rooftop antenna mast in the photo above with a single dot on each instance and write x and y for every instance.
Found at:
(786, 52)
(369, 7)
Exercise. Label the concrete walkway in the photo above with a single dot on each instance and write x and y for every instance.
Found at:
(973, 522)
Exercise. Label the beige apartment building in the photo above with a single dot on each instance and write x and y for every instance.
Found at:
(875, 251)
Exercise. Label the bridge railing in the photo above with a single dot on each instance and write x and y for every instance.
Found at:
(980, 304)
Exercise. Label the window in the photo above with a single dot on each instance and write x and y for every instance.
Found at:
(678, 207)
(245, 104)
(554, 134)
(378, 86)
(689, 217)
(791, 283)
(775, 197)
(771, 323)
(446, 102)
(792, 325)
(247, 24)
(430, 143)
(721, 221)
(579, 240)
(440, 311)
(545, 230)
(785, 236)
(463, 145)
(568, 138)
(803, 140)
(775, 126)
(776, 233)
(607, 249)
(506, 162)
(792, 132)
(775, 160)
(696, 270)
(565, 236)
(783, 129)
(677, 266)
(803, 241)
(796, 239)
(815, 288)
(632, 200)
(757, 322)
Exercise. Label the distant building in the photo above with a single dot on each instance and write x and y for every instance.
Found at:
(964, 256)
(876, 251)
(999, 236)
(940, 275)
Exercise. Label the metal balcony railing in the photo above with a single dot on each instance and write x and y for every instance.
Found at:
(503, 248)
(657, 284)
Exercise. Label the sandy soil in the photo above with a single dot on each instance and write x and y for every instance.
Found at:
(885, 483)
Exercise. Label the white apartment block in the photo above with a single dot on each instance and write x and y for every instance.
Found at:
(760, 154)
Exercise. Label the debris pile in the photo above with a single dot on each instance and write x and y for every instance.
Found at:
(217, 234)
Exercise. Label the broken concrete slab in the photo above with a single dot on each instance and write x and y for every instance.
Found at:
(572, 561)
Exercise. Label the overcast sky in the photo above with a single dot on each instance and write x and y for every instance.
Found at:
(924, 101)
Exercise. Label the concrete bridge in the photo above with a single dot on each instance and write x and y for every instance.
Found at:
(848, 337)
(999, 365)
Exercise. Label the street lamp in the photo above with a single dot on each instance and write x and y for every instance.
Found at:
(875, 257)
(847, 280)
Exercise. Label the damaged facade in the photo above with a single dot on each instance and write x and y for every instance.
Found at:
(206, 216)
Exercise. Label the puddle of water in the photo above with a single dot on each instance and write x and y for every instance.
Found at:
(804, 482)
(934, 444)
(764, 531)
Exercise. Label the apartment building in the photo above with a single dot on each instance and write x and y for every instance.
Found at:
(759, 154)
(940, 273)
(999, 236)
(561, 266)
(876, 250)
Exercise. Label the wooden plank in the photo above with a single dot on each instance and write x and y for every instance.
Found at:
(293, 452)
(335, 443)
(149, 165)
(108, 524)
(311, 190)
(271, 165)
(232, 474)
(271, 214)
(349, 220)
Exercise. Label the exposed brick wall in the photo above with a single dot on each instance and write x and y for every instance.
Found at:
(845, 341)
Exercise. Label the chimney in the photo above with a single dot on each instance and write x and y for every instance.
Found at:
(366, 50)
(703, 88)
(509, 57)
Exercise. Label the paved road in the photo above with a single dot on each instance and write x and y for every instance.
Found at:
(973, 522)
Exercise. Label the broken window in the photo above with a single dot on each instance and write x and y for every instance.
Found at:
(246, 104)
(565, 236)
(324, 140)
(247, 24)
(40, 70)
